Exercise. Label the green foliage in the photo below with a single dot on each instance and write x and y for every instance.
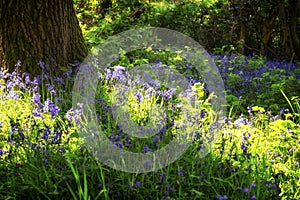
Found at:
(256, 154)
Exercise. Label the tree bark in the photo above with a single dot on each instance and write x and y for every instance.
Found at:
(104, 6)
(40, 30)
(242, 36)
(285, 39)
(266, 33)
(294, 12)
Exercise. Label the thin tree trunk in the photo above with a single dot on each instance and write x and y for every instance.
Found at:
(242, 37)
(285, 39)
(294, 10)
(266, 33)
(45, 30)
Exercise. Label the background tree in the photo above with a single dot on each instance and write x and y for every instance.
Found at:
(268, 27)
(46, 30)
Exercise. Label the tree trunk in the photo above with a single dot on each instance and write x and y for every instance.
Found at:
(242, 37)
(294, 10)
(104, 6)
(285, 39)
(31, 31)
(266, 33)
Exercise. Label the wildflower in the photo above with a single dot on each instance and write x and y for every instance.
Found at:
(169, 188)
(36, 99)
(46, 134)
(235, 157)
(138, 96)
(128, 141)
(50, 106)
(119, 73)
(41, 64)
(246, 190)
(2, 152)
(18, 64)
(155, 139)
(241, 121)
(12, 95)
(51, 88)
(220, 197)
(253, 197)
(62, 150)
(168, 94)
(252, 184)
(138, 184)
(9, 85)
(202, 113)
(119, 144)
(155, 84)
(162, 177)
(202, 176)
(267, 182)
(180, 173)
(274, 186)
(163, 130)
(45, 161)
(146, 149)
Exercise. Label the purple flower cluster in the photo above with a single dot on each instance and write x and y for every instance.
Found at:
(27, 132)
(47, 138)
(247, 77)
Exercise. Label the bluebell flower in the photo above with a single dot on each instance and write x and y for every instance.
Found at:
(18, 64)
(168, 94)
(46, 134)
(220, 197)
(36, 98)
(108, 73)
(41, 64)
(252, 184)
(202, 113)
(138, 184)
(119, 73)
(180, 173)
(155, 84)
(202, 176)
(10, 140)
(146, 149)
(119, 144)
(9, 85)
(62, 150)
(13, 95)
(51, 88)
(155, 141)
(162, 177)
(2, 74)
(2, 152)
(45, 161)
(37, 114)
(274, 186)
(138, 96)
